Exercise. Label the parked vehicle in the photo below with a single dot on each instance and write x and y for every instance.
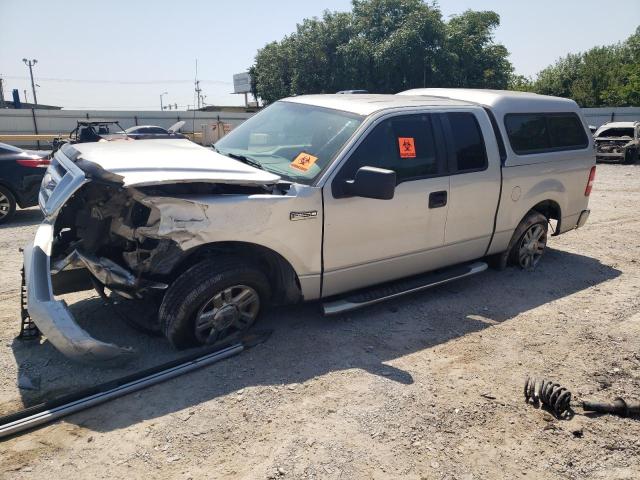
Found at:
(146, 130)
(21, 173)
(88, 131)
(321, 197)
(618, 142)
(152, 131)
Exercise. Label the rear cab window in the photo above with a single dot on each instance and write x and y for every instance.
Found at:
(531, 133)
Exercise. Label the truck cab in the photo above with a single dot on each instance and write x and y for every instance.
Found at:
(345, 199)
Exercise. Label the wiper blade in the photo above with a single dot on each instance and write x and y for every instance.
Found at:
(244, 159)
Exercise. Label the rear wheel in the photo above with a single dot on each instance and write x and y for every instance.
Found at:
(217, 299)
(531, 241)
(7, 204)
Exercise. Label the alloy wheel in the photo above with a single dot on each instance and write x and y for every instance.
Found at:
(5, 205)
(532, 245)
(229, 311)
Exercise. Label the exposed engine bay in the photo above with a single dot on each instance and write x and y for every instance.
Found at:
(116, 234)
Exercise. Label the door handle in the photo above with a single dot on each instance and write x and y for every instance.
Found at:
(438, 199)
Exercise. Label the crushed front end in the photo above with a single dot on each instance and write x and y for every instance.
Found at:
(42, 259)
(89, 240)
(620, 150)
(119, 216)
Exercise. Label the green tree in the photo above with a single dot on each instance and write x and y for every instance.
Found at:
(383, 46)
(470, 58)
(601, 76)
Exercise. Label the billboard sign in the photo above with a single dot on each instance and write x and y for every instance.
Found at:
(242, 83)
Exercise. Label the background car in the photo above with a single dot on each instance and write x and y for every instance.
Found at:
(153, 131)
(21, 173)
(88, 131)
(618, 142)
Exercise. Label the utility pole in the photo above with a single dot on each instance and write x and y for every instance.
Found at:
(1, 93)
(198, 93)
(161, 107)
(30, 64)
(198, 90)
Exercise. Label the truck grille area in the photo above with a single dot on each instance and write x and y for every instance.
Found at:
(97, 229)
(60, 182)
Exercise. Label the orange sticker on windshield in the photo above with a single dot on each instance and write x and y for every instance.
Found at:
(303, 162)
(407, 147)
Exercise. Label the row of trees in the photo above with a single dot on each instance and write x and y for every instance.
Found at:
(386, 46)
(602, 76)
(383, 46)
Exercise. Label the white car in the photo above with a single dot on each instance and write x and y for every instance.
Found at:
(618, 142)
(322, 197)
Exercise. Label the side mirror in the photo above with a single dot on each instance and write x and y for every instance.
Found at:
(372, 182)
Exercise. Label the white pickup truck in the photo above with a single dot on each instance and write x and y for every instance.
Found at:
(346, 199)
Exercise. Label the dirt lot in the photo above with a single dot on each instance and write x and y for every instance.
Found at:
(427, 386)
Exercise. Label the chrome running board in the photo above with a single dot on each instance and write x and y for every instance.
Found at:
(386, 291)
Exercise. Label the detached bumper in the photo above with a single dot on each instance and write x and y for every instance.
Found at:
(53, 318)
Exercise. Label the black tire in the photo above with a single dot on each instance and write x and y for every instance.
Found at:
(532, 221)
(197, 288)
(139, 314)
(631, 156)
(511, 255)
(7, 204)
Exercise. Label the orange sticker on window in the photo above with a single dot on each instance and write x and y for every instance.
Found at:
(407, 147)
(303, 162)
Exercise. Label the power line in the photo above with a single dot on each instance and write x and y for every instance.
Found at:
(116, 82)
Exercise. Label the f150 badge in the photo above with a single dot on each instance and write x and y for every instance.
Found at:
(309, 214)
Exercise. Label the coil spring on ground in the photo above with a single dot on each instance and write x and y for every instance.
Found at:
(555, 397)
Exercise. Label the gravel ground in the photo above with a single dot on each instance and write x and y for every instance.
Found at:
(427, 386)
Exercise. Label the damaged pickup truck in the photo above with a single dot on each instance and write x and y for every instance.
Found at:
(618, 142)
(327, 197)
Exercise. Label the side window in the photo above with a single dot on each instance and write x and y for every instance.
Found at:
(566, 131)
(545, 132)
(468, 143)
(527, 133)
(404, 144)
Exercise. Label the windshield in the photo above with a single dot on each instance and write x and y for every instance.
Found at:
(292, 140)
(616, 132)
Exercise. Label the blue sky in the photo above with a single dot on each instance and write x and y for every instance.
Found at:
(139, 49)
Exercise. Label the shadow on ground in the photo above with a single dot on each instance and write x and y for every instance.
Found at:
(305, 344)
(23, 218)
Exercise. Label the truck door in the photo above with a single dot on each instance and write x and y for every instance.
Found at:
(369, 241)
(475, 179)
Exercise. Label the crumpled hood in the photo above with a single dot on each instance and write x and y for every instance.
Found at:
(167, 161)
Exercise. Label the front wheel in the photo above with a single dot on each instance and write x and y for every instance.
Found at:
(217, 299)
(532, 241)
